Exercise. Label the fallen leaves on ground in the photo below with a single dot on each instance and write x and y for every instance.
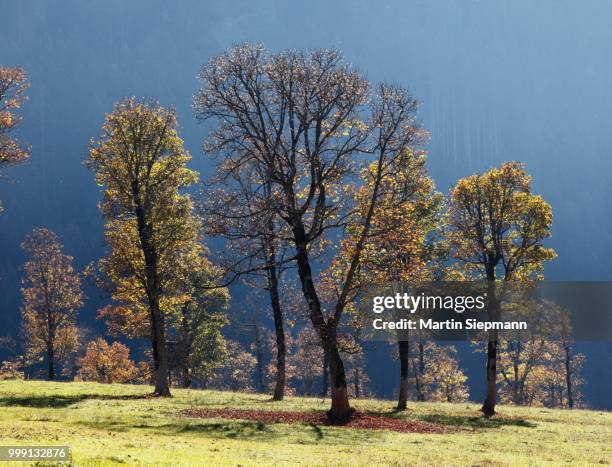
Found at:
(359, 420)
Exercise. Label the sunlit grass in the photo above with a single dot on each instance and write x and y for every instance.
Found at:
(115, 424)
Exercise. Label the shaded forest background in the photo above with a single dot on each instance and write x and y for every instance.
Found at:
(496, 81)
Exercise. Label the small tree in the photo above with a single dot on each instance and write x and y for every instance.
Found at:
(496, 230)
(254, 247)
(51, 298)
(443, 378)
(13, 86)
(196, 327)
(104, 363)
(236, 371)
(309, 362)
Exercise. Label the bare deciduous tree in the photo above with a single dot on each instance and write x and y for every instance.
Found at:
(306, 122)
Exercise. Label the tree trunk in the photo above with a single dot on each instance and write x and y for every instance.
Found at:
(340, 411)
(259, 357)
(160, 356)
(515, 384)
(403, 348)
(281, 349)
(568, 375)
(51, 363)
(488, 407)
(421, 371)
(357, 383)
(153, 290)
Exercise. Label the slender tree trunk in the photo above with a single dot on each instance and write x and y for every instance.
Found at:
(325, 376)
(357, 383)
(160, 355)
(259, 358)
(281, 349)
(403, 348)
(488, 407)
(51, 362)
(421, 370)
(568, 375)
(515, 384)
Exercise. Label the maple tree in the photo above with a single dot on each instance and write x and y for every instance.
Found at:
(140, 162)
(13, 86)
(104, 363)
(195, 326)
(51, 298)
(496, 232)
(306, 123)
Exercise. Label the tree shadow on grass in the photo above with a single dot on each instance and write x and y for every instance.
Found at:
(218, 429)
(58, 401)
(467, 421)
(237, 429)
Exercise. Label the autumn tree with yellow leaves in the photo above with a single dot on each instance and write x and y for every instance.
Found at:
(442, 378)
(51, 298)
(140, 163)
(497, 227)
(402, 244)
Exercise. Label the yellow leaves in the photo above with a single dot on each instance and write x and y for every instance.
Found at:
(494, 216)
(6, 120)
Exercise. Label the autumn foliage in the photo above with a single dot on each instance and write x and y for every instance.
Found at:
(51, 298)
(13, 86)
(104, 363)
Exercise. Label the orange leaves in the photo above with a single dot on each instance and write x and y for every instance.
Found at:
(51, 298)
(104, 363)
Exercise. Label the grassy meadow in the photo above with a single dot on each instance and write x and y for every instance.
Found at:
(118, 424)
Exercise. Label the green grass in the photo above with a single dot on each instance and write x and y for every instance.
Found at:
(116, 424)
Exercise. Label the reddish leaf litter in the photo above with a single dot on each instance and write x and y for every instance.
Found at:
(359, 420)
